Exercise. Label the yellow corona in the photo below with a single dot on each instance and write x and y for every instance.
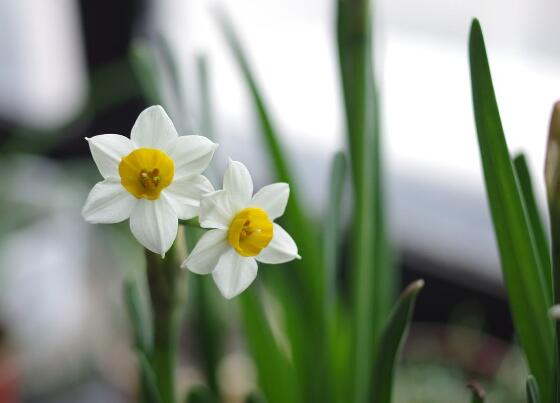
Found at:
(250, 231)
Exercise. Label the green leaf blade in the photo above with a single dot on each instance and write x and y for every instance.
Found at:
(520, 264)
(390, 343)
(533, 394)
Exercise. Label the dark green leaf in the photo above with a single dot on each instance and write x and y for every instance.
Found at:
(536, 225)
(390, 343)
(519, 258)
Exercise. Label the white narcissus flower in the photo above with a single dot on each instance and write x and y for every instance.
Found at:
(244, 232)
(154, 178)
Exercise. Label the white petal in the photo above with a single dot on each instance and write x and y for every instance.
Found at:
(108, 203)
(272, 199)
(208, 250)
(234, 273)
(238, 184)
(191, 155)
(216, 210)
(153, 129)
(107, 151)
(185, 194)
(281, 248)
(154, 224)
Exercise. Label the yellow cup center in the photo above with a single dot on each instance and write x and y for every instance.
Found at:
(250, 231)
(145, 172)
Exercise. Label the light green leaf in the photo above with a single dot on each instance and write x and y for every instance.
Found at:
(390, 343)
(276, 376)
(519, 258)
(145, 70)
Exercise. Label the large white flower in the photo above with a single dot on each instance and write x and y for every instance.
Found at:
(154, 178)
(244, 231)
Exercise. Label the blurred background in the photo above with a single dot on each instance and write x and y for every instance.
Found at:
(66, 73)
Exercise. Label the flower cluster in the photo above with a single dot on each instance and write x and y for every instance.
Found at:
(154, 179)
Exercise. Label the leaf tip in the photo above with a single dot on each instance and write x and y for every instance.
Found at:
(414, 287)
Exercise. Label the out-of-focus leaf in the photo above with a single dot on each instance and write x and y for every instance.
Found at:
(533, 395)
(145, 70)
(519, 257)
(390, 343)
(149, 383)
(307, 280)
(535, 221)
(276, 376)
(331, 237)
(373, 277)
(140, 323)
(200, 394)
(297, 222)
(552, 180)
(477, 392)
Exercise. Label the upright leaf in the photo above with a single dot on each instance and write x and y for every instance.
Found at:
(331, 237)
(519, 257)
(276, 376)
(535, 222)
(306, 280)
(390, 343)
(373, 277)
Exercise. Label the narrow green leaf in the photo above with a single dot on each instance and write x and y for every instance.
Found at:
(200, 394)
(477, 392)
(331, 237)
(519, 258)
(374, 279)
(149, 383)
(140, 323)
(533, 395)
(276, 377)
(145, 70)
(536, 225)
(391, 341)
(307, 277)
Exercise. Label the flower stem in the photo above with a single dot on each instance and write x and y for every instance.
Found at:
(167, 293)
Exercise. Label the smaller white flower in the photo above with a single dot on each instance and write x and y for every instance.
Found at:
(154, 178)
(244, 232)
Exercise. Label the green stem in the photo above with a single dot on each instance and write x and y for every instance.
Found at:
(167, 292)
